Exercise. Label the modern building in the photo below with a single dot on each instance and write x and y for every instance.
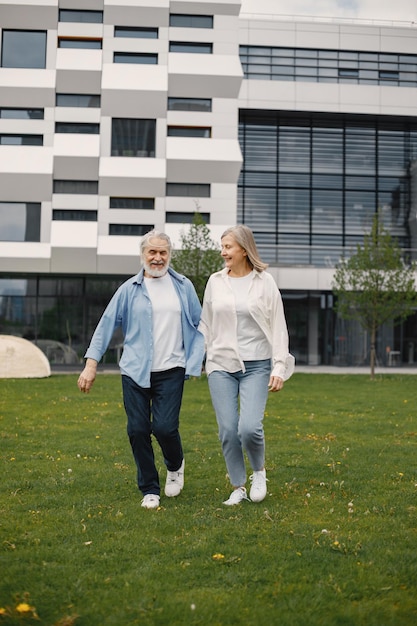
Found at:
(117, 116)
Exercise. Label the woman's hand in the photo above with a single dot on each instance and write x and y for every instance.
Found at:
(275, 383)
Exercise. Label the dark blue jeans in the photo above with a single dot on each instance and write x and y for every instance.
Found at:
(154, 411)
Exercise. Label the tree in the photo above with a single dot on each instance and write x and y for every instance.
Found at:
(199, 255)
(374, 285)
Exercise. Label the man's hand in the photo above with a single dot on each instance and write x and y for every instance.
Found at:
(87, 376)
(275, 383)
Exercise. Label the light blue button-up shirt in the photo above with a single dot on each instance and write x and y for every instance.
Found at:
(130, 309)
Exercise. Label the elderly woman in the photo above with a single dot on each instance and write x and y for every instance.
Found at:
(246, 340)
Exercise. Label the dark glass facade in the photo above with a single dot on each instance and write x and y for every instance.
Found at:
(56, 308)
(309, 187)
(329, 66)
(311, 183)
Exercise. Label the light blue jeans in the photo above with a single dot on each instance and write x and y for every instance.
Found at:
(239, 401)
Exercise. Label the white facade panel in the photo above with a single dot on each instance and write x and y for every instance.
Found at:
(134, 90)
(206, 7)
(24, 250)
(25, 173)
(74, 201)
(124, 176)
(18, 86)
(268, 94)
(78, 114)
(317, 35)
(303, 278)
(204, 75)
(219, 160)
(29, 14)
(75, 145)
(81, 60)
(81, 30)
(137, 12)
(257, 32)
(65, 234)
(111, 246)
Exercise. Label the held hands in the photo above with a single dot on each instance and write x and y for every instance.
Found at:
(275, 383)
(87, 376)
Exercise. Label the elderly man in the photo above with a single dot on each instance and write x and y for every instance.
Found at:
(158, 311)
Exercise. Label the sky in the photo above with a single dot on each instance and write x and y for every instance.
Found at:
(391, 10)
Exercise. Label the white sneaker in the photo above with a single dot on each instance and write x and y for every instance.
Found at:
(258, 487)
(175, 482)
(150, 501)
(236, 497)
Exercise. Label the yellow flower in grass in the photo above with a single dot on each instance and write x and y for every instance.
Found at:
(24, 607)
(218, 556)
(2, 611)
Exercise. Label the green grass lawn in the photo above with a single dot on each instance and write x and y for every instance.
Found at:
(334, 543)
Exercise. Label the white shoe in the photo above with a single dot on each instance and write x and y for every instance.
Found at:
(236, 497)
(150, 501)
(258, 487)
(175, 482)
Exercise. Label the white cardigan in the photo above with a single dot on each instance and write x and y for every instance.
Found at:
(219, 322)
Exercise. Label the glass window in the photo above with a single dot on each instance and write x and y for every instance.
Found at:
(294, 211)
(77, 127)
(284, 53)
(77, 100)
(16, 286)
(23, 48)
(260, 208)
(132, 203)
(21, 140)
(348, 73)
(360, 182)
(190, 47)
(133, 137)
(81, 42)
(189, 104)
(360, 147)
(266, 63)
(189, 131)
(78, 215)
(306, 53)
(327, 211)
(327, 150)
(136, 32)
(388, 75)
(391, 153)
(20, 221)
(294, 150)
(21, 114)
(181, 217)
(326, 181)
(360, 210)
(196, 190)
(69, 15)
(144, 58)
(190, 21)
(130, 230)
(75, 186)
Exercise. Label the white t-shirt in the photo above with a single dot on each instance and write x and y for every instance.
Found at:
(168, 346)
(252, 342)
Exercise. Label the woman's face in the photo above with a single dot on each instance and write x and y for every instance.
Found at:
(235, 257)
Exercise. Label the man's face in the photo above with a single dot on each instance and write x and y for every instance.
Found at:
(156, 258)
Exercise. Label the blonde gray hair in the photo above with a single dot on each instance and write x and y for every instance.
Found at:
(244, 237)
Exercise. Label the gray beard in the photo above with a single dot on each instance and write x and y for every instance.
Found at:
(155, 273)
